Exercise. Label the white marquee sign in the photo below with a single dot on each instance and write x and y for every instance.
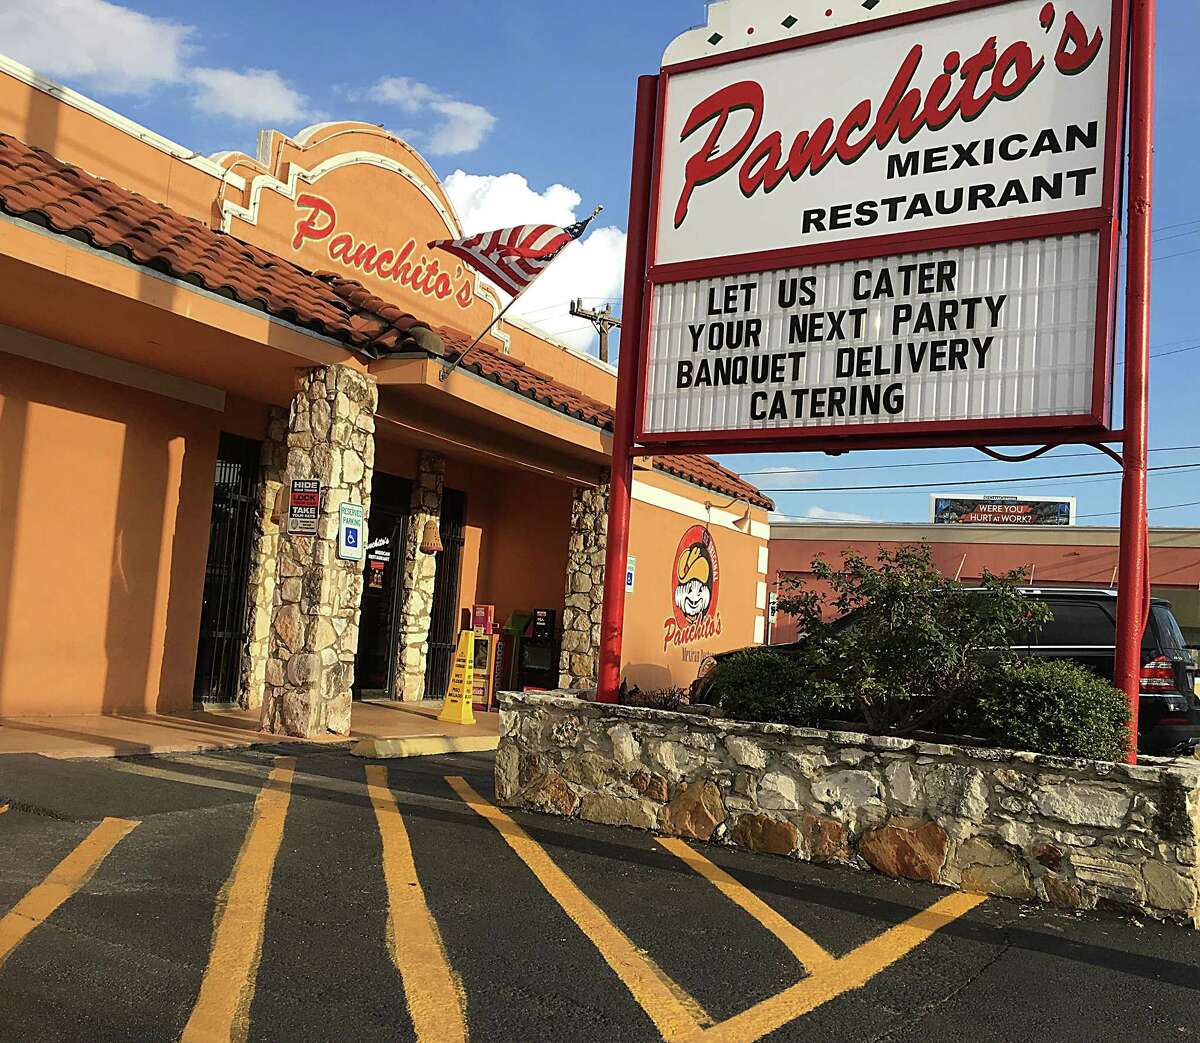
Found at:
(908, 223)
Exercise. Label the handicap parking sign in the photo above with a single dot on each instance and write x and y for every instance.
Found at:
(351, 521)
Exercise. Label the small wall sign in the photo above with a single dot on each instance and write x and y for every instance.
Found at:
(630, 573)
(351, 532)
(304, 506)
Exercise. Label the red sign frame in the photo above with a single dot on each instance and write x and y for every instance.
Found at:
(1131, 83)
(1095, 425)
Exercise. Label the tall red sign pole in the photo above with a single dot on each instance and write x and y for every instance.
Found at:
(1133, 601)
(616, 556)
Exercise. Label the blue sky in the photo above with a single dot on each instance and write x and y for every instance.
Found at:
(542, 90)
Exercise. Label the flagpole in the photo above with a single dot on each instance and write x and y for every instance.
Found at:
(444, 375)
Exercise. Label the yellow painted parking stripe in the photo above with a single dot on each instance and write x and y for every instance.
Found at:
(813, 956)
(850, 972)
(675, 1014)
(63, 881)
(434, 994)
(222, 1009)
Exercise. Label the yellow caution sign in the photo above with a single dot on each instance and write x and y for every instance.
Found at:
(457, 709)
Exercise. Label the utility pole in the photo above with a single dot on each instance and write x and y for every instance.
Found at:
(603, 320)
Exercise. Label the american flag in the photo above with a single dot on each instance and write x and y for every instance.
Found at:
(513, 257)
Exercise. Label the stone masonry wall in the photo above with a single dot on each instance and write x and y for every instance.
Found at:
(420, 576)
(585, 586)
(264, 547)
(314, 630)
(1075, 834)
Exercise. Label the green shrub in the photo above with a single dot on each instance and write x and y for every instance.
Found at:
(915, 646)
(760, 685)
(1051, 706)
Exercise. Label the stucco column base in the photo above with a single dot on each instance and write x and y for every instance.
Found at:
(585, 585)
(420, 577)
(317, 598)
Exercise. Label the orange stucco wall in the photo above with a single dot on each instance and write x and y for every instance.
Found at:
(107, 151)
(523, 550)
(375, 205)
(591, 379)
(655, 533)
(515, 555)
(105, 494)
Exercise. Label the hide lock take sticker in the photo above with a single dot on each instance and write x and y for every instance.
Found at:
(695, 584)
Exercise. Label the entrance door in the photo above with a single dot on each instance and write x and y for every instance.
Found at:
(375, 669)
(444, 621)
(223, 615)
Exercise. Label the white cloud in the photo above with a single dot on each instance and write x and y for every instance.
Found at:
(102, 46)
(409, 95)
(485, 202)
(461, 127)
(255, 96)
(96, 43)
(823, 515)
(789, 475)
(593, 268)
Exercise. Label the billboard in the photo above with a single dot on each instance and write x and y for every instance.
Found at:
(901, 228)
(960, 509)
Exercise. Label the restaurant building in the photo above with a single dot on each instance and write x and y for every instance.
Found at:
(1051, 555)
(181, 337)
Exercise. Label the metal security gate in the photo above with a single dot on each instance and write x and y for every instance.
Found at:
(443, 623)
(223, 616)
(383, 581)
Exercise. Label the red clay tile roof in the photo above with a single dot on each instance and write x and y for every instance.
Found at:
(516, 376)
(37, 187)
(706, 472)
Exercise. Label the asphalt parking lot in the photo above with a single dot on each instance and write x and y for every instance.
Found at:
(292, 893)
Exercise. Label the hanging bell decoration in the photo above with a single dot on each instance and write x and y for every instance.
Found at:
(431, 538)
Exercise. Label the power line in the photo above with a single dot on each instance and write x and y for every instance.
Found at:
(1068, 482)
(1164, 507)
(1181, 253)
(938, 463)
(1164, 354)
(1177, 224)
(1175, 235)
(976, 482)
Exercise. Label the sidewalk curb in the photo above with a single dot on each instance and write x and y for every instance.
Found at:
(423, 746)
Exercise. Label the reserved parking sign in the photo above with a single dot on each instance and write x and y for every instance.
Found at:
(351, 532)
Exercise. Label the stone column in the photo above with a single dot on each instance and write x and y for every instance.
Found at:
(420, 573)
(585, 586)
(264, 545)
(314, 631)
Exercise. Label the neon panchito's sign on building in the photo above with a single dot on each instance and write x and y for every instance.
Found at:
(907, 228)
(406, 265)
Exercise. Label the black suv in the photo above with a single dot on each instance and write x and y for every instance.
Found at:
(1084, 629)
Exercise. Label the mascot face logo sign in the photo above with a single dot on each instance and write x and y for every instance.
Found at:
(695, 583)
